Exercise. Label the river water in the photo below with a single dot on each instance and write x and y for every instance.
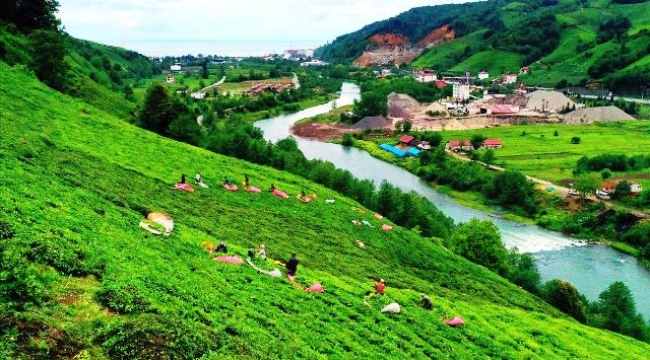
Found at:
(590, 268)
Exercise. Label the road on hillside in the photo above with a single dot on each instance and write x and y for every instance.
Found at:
(562, 191)
(628, 99)
(201, 93)
(295, 81)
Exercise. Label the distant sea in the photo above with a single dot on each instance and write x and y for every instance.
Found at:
(220, 48)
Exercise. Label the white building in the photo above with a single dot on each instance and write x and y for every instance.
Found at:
(483, 75)
(425, 76)
(509, 78)
(170, 79)
(314, 63)
(175, 69)
(460, 92)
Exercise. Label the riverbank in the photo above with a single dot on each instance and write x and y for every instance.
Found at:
(557, 208)
(558, 256)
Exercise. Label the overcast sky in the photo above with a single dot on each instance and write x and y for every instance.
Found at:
(176, 27)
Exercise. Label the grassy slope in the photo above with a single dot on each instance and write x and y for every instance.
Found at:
(18, 46)
(443, 53)
(493, 61)
(76, 178)
(553, 158)
(564, 63)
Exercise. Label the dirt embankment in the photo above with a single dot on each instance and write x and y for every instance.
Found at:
(437, 37)
(385, 49)
(320, 131)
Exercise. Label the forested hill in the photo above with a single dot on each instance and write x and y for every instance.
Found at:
(575, 40)
(101, 75)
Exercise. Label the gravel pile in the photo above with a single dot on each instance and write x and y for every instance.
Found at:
(601, 114)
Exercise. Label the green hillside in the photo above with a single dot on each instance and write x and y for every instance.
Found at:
(565, 39)
(97, 73)
(493, 61)
(80, 279)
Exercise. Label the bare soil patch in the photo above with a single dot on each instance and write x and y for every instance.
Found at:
(320, 131)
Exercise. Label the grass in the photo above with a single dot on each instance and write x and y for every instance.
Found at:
(625, 248)
(493, 61)
(541, 154)
(441, 57)
(76, 182)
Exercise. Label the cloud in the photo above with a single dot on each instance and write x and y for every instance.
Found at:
(118, 22)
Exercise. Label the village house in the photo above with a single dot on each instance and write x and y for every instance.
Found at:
(425, 76)
(524, 70)
(460, 92)
(457, 145)
(610, 187)
(492, 144)
(466, 145)
(170, 79)
(509, 78)
(175, 69)
(483, 75)
(407, 140)
(314, 63)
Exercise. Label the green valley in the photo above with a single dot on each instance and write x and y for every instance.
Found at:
(80, 279)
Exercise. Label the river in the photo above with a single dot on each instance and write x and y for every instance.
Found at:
(590, 268)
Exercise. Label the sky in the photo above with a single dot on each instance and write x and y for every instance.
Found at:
(218, 27)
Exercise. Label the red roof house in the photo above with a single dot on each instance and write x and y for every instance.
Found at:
(459, 145)
(492, 144)
(406, 139)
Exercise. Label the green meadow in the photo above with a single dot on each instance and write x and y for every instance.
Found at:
(80, 279)
(536, 151)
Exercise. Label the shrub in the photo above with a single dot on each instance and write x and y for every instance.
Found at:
(566, 298)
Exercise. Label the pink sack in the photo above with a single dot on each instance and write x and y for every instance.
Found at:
(317, 287)
(457, 321)
(230, 260)
(186, 187)
(280, 194)
(253, 189)
(379, 216)
(386, 227)
(230, 187)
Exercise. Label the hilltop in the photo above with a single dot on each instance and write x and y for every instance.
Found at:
(80, 279)
(573, 40)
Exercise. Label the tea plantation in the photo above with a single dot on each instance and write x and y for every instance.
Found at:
(80, 280)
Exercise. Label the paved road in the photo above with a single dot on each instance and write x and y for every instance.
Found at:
(629, 99)
(201, 93)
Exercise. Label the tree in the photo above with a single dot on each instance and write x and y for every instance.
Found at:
(511, 188)
(622, 189)
(406, 127)
(523, 271)
(586, 185)
(616, 311)
(488, 157)
(30, 15)
(605, 174)
(477, 141)
(479, 241)
(371, 104)
(565, 298)
(205, 73)
(48, 58)
(128, 92)
(347, 139)
(159, 109)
